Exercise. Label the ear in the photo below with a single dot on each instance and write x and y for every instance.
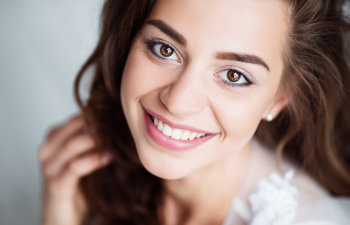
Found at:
(279, 103)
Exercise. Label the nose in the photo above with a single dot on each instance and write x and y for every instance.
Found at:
(185, 95)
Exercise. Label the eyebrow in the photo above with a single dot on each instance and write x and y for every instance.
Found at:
(242, 58)
(168, 30)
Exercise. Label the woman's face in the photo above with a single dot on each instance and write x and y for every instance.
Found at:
(210, 72)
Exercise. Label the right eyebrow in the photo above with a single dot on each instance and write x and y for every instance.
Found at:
(243, 58)
(168, 30)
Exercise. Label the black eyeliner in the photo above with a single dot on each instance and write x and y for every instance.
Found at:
(150, 44)
(231, 84)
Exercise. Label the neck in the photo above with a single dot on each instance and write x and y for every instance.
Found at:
(205, 196)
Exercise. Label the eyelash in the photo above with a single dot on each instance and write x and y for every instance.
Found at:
(151, 47)
(229, 83)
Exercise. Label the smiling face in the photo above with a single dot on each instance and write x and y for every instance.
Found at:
(199, 78)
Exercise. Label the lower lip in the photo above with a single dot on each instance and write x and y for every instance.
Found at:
(170, 143)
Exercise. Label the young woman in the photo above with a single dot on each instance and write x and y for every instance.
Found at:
(208, 112)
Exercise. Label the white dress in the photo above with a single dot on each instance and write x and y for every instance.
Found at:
(270, 195)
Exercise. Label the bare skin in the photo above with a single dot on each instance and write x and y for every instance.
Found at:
(181, 86)
(199, 183)
(65, 158)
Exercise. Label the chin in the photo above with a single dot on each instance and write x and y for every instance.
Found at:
(165, 174)
(163, 166)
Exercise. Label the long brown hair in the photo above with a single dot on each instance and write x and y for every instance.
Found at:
(313, 130)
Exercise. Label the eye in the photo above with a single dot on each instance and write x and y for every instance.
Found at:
(234, 77)
(163, 51)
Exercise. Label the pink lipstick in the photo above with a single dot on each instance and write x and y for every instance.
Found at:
(173, 136)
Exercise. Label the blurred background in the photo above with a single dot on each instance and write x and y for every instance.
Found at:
(42, 46)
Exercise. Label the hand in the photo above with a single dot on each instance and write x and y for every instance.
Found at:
(66, 156)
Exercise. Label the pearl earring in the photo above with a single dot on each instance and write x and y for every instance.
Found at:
(269, 117)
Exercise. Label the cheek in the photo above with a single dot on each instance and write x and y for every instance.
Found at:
(240, 115)
(135, 80)
(141, 76)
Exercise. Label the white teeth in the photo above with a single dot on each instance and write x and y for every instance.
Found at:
(192, 135)
(160, 126)
(200, 135)
(185, 135)
(175, 133)
(167, 130)
(156, 121)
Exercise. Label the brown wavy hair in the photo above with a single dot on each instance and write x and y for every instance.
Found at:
(313, 130)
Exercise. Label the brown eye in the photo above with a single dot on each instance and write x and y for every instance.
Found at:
(233, 75)
(166, 51)
(234, 78)
(163, 51)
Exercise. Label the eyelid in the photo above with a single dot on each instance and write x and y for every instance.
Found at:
(244, 72)
(154, 41)
(249, 78)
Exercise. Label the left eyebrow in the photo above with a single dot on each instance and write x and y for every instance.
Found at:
(242, 58)
(165, 28)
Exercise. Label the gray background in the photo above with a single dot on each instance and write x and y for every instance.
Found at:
(43, 43)
(42, 46)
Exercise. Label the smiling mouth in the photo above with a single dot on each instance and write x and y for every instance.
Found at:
(176, 133)
(172, 136)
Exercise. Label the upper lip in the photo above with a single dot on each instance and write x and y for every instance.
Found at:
(178, 126)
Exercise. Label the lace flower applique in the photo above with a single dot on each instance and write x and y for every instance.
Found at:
(274, 201)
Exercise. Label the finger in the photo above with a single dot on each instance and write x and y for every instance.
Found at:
(72, 126)
(59, 134)
(66, 184)
(77, 145)
(90, 163)
(44, 151)
(52, 132)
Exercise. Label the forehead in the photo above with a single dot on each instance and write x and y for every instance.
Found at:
(256, 27)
